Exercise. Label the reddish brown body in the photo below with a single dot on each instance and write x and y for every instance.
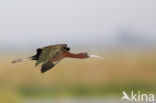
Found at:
(67, 54)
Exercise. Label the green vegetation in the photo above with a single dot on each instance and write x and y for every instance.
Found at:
(128, 70)
(86, 91)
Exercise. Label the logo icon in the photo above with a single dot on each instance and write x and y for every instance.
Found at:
(137, 97)
(125, 96)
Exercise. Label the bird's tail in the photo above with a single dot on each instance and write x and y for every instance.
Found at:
(96, 56)
(21, 60)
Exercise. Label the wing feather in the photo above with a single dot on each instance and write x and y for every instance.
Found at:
(47, 66)
(49, 52)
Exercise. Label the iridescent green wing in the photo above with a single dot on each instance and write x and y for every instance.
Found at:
(47, 66)
(49, 52)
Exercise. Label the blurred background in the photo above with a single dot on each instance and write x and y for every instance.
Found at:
(121, 31)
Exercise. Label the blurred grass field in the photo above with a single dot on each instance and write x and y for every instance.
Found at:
(120, 70)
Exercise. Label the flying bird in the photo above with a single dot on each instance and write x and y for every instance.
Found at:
(49, 56)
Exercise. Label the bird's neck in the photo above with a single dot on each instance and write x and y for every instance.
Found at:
(79, 55)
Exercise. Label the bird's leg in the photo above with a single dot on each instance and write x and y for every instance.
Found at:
(21, 60)
(79, 55)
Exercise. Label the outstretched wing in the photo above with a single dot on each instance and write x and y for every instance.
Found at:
(49, 52)
(47, 66)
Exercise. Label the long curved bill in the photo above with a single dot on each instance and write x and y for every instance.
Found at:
(96, 56)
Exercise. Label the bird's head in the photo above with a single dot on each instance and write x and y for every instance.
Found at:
(84, 55)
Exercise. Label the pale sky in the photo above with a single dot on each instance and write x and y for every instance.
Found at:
(26, 23)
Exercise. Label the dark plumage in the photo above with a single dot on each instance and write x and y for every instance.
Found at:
(49, 56)
(46, 66)
(36, 57)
